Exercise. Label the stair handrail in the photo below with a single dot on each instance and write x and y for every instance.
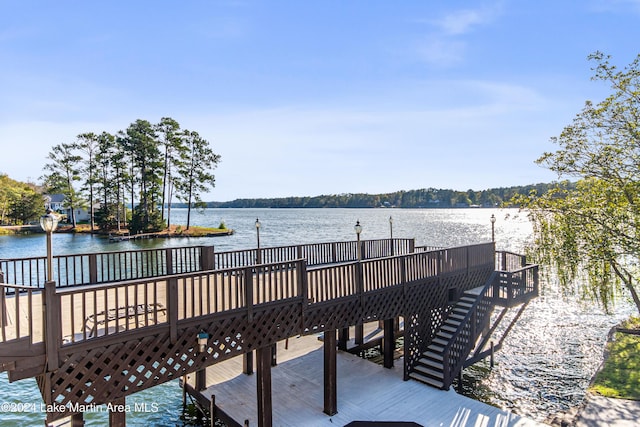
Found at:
(448, 371)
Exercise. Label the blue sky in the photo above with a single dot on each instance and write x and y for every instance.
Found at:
(313, 97)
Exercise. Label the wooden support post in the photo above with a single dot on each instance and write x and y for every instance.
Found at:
(201, 379)
(118, 414)
(389, 343)
(53, 326)
(274, 354)
(492, 352)
(343, 338)
(263, 383)
(330, 373)
(77, 420)
(212, 410)
(359, 334)
(247, 363)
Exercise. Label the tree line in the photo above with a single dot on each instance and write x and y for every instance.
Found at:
(125, 179)
(422, 198)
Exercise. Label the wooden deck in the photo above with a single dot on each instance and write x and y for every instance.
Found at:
(366, 392)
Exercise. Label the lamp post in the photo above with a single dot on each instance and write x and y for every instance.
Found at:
(49, 222)
(258, 225)
(358, 229)
(493, 227)
(391, 233)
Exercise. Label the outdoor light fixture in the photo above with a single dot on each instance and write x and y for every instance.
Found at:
(493, 227)
(203, 337)
(358, 229)
(49, 222)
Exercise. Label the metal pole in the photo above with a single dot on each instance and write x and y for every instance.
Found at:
(49, 258)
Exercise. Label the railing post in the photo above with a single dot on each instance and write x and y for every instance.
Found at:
(3, 303)
(168, 261)
(248, 292)
(172, 308)
(207, 259)
(93, 268)
(412, 245)
(303, 289)
(359, 328)
(53, 327)
(334, 252)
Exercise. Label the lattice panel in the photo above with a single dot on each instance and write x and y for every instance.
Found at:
(325, 317)
(105, 373)
(384, 305)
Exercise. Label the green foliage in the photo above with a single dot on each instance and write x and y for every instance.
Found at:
(27, 207)
(11, 192)
(590, 231)
(423, 198)
(620, 375)
(222, 226)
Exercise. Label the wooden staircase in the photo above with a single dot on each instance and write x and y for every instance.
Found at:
(430, 367)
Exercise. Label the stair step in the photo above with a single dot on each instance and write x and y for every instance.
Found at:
(438, 349)
(460, 310)
(430, 363)
(436, 375)
(432, 355)
(468, 299)
(429, 381)
(452, 322)
(456, 316)
(444, 335)
(447, 328)
(440, 342)
(464, 304)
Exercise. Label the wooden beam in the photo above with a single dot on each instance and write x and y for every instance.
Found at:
(343, 338)
(201, 379)
(359, 334)
(388, 342)
(77, 420)
(247, 363)
(263, 383)
(118, 414)
(330, 373)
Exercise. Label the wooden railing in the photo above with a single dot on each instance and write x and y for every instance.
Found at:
(504, 288)
(464, 339)
(105, 267)
(83, 313)
(108, 267)
(315, 253)
(21, 309)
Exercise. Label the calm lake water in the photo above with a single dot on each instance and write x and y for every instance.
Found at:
(544, 367)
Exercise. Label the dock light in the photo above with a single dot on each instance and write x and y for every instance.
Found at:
(203, 337)
(258, 225)
(493, 227)
(358, 229)
(49, 222)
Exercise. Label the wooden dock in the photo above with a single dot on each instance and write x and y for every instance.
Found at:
(366, 392)
(115, 323)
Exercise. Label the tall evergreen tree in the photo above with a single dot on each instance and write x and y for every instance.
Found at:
(196, 170)
(64, 168)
